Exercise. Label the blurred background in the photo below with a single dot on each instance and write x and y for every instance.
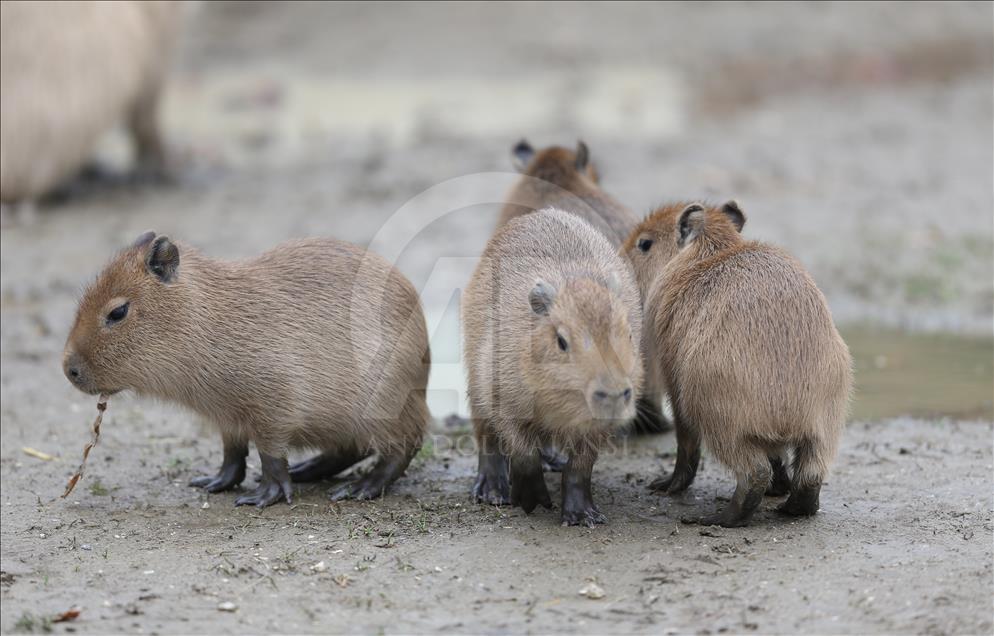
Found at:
(858, 136)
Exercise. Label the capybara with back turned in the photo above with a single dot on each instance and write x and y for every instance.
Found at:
(552, 324)
(746, 346)
(315, 344)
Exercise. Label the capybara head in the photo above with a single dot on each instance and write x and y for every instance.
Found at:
(116, 339)
(553, 160)
(663, 233)
(584, 361)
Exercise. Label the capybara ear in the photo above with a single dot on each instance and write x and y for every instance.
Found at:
(162, 260)
(541, 297)
(521, 155)
(143, 240)
(582, 156)
(691, 223)
(734, 212)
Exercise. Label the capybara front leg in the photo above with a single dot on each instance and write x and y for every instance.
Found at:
(528, 488)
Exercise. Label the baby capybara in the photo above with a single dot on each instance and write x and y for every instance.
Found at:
(746, 346)
(315, 344)
(551, 324)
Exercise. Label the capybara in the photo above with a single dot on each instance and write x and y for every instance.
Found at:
(70, 72)
(551, 327)
(314, 344)
(745, 344)
(557, 177)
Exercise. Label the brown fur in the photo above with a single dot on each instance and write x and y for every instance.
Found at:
(745, 342)
(69, 72)
(314, 344)
(524, 392)
(556, 181)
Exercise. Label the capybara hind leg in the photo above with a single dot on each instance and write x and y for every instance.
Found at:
(805, 487)
(232, 472)
(688, 458)
(493, 483)
(323, 466)
(150, 151)
(649, 418)
(275, 484)
(528, 488)
(780, 482)
(553, 460)
(748, 495)
(578, 502)
(373, 484)
(802, 502)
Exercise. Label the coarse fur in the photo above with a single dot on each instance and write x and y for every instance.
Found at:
(71, 71)
(548, 280)
(314, 344)
(557, 177)
(745, 343)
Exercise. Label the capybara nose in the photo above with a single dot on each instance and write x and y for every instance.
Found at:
(608, 398)
(71, 367)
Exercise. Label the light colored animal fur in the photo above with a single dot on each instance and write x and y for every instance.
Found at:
(69, 72)
(745, 342)
(519, 382)
(316, 343)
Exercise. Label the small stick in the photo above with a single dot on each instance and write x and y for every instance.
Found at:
(101, 407)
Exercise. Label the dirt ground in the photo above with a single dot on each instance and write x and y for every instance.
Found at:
(857, 136)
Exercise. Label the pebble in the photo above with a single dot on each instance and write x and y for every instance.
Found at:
(592, 591)
(319, 567)
(227, 606)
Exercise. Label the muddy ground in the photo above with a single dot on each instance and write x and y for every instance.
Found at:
(857, 136)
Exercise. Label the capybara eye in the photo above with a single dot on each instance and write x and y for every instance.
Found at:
(117, 314)
(644, 244)
(563, 345)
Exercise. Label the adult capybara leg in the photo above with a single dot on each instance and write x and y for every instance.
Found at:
(805, 488)
(493, 483)
(323, 466)
(688, 458)
(578, 502)
(749, 491)
(275, 484)
(143, 124)
(780, 482)
(232, 472)
(528, 488)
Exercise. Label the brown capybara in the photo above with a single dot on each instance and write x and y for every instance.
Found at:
(556, 177)
(551, 330)
(745, 344)
(70, 72)
(315, 344)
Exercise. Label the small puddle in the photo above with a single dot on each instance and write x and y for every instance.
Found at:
(925, 375)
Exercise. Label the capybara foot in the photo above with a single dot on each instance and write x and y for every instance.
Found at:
(802, 502)
(676, 482)
(275, 485)
(493, 485)
(322, 466)
(585, 515)
(232, 472)
(528, 488)
(553, 461)
(374, 483)
(780, 483)
(649, 419)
